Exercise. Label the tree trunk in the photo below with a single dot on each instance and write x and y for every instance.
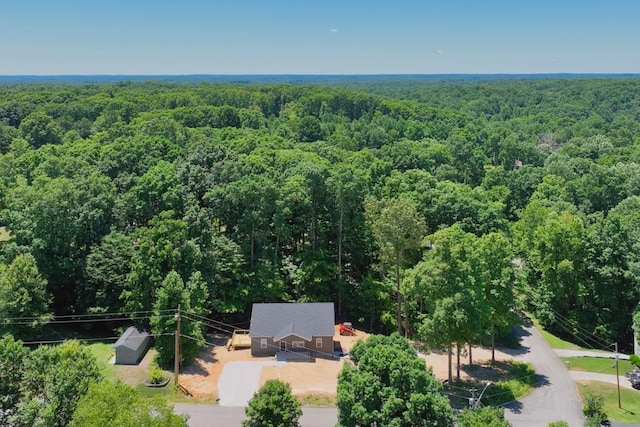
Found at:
(493, 344)
(275, 251)
(373, 313)
(340, 221)
(458, 361)
(449, 356)
(470, 356)
(406, 317)
(398, 298)
(313, 225)
(252, 238)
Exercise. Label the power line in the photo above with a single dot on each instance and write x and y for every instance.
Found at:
(210, 320)
(188, 317)
(99, 315)
(84, 339)
(111, 319)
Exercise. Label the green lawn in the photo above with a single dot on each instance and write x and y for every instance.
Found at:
(630, 412)
(554, 341)
(597, 364)
(103, 352)
(135, 375)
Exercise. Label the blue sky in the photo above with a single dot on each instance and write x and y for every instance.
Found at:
(52, 37)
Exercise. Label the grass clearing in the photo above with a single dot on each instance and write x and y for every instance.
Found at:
(5, 235)
(597, 364)
(103, 353)
(630, 399)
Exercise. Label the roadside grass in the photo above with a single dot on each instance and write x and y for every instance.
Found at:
(510, 380)
(630, 400)
(315, 399)
(168, 392)
(597, 364)
(554, 341)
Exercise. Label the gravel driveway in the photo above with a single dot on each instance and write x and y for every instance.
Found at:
(240, 380)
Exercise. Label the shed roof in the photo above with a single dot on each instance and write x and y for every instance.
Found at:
(134, 337)
(280, 320)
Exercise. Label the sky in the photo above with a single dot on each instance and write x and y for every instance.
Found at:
(181, 37)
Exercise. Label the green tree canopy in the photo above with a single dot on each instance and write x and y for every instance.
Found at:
(389, 385)
(55, 378)
(398, 230)
(110, 403)
(24, 300)
(273, 405)
(12, 359)
(170, 295)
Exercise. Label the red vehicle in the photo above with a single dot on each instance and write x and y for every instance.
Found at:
(345, 328)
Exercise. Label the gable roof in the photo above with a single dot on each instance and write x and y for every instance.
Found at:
(280, 320)
(134, 337)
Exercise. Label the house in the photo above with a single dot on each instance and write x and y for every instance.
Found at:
(287, 329)
(132, 346)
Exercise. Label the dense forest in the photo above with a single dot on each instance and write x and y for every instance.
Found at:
(435, 208)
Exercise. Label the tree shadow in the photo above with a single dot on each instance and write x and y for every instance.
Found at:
(514, 406)
(205, 356)
(519, 332)
(496, 379)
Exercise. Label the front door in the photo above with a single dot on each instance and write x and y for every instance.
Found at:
(283, 346)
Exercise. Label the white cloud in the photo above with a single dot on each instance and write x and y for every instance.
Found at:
(333, 30)
(439, 51)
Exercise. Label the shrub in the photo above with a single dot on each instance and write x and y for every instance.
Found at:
(593, 409)
(635, 360)
(156, 376)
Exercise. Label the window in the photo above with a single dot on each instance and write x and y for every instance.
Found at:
(297, 344)
(318, 342)
(263, 343)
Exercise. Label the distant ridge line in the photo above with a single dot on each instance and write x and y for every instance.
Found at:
(296, 78)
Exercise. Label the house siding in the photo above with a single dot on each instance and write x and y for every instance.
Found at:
(273, 347)
(258, 351)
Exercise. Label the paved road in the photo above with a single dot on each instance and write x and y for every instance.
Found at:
(556, 398)
(239, 381)
(214, 415)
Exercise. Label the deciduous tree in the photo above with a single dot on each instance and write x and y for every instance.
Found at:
(110, 403)
(24, 300)
(273, 405)
(389, 385)
(398, 230)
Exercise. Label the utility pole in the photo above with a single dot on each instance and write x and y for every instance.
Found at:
(176, 360)
(477, 402)
(618, 378)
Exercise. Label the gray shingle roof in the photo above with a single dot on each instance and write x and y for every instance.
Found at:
(279, 320)
(133, 338)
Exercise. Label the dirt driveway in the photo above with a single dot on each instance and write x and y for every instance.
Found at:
(201, 379)
(318, 379)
